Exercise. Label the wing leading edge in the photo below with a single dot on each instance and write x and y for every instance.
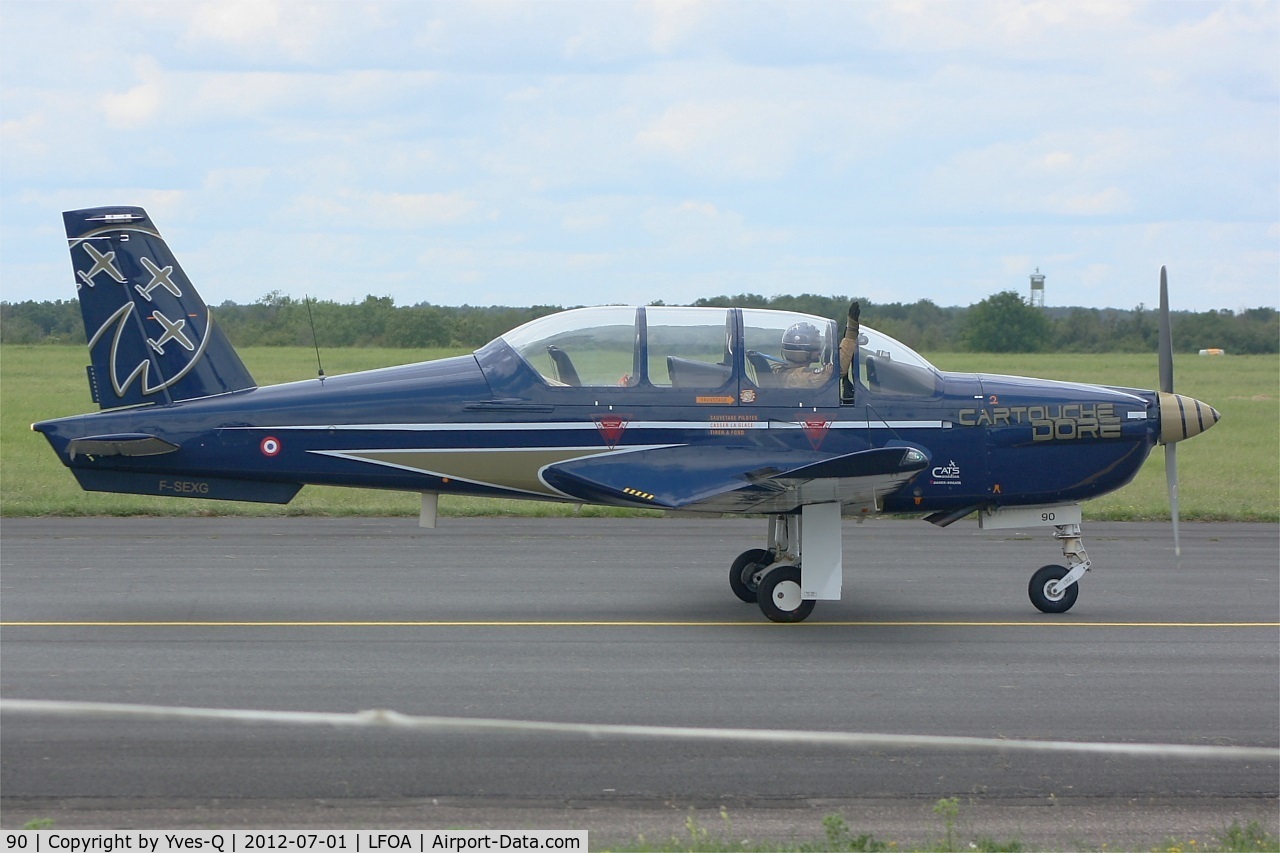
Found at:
(738, 480)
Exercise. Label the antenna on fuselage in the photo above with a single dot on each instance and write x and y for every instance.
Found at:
(314, 339)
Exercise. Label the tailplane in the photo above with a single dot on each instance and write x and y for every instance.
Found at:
(151, 337)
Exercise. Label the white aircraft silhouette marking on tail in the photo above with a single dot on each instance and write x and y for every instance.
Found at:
(159, 278)
(102, 262)
(172, 332)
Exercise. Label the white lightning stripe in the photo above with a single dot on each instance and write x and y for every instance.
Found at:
(488, 426)
(594, 450)
(591, 425)
(849, 740)
(588, 452)
(877, 425)
(72, 242)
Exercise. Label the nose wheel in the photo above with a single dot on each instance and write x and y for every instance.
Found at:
(1054, 589)
(1047, 592)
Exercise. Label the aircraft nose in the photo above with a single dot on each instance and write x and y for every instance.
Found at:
(1183, 417)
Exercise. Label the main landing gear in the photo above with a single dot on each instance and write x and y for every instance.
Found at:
(772, 577)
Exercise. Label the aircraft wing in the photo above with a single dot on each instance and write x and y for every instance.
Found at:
(737, 480)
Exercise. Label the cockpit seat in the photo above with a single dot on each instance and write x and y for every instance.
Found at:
(892, 377)
(763, 367)
(688, 373)
(565, 371)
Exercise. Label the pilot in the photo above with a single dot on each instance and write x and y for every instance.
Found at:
(853, 338)
(801, 348)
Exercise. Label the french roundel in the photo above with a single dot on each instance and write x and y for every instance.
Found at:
(270, 446)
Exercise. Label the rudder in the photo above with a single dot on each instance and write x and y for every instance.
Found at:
(151, 337)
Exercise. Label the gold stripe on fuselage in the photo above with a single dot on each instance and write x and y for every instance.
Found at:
(511, 468)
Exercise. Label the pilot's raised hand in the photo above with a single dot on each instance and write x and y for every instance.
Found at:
(853, 326)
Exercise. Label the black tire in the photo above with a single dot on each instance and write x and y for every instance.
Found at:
(779, 596)
(742, 573)
(1038, 589)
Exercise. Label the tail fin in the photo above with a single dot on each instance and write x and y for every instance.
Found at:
(151, 337)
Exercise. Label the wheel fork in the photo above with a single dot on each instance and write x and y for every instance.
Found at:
(1073, 550)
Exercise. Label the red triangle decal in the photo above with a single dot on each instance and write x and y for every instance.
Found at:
(611, 428)
(816, 431)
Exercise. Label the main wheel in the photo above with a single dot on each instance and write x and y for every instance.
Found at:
(1041, 590)
(742, 574)
(779, 596)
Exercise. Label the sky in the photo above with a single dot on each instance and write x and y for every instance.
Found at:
(570, 153)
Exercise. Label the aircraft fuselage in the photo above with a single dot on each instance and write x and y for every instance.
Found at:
(482, 425)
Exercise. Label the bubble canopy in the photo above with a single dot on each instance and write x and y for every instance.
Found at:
(664, 346)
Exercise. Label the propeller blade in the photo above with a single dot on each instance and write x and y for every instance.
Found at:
(1166, 338)
(1171, 477)
(1166, 385)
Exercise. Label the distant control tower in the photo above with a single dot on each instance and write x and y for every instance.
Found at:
(1037, 289)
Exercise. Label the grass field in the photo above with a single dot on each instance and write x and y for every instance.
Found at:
(1230, 473)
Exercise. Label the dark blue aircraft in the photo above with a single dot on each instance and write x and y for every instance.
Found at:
(708, 410)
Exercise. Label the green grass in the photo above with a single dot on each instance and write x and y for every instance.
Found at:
(951, 835)
(1231, 472)
(950, 838)
(837, 836)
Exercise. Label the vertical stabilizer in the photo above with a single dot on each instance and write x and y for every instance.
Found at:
(151, 337)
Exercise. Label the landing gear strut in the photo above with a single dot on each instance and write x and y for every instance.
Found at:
(773, 578)
(1053, 589)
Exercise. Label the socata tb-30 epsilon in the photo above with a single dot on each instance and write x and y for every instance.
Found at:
(711, 410)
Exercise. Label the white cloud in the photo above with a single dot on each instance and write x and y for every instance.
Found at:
(238, 181)
(348, 209)
(744, 138)
(140, 104)
(1108, 202)
(236, 21)
(557, 152)
(26, 134)
(673, 21)
(273, 31)
(1005, 31)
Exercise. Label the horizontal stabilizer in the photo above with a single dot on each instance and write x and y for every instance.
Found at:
(125, 444)
(188, 486)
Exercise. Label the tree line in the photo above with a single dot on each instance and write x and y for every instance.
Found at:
(1003, 322)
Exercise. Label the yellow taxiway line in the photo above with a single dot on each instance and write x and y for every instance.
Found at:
(551, 623)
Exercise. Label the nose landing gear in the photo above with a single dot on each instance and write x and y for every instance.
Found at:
(1053, 589)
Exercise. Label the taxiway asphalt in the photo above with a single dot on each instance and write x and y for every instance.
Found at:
(628, 622)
